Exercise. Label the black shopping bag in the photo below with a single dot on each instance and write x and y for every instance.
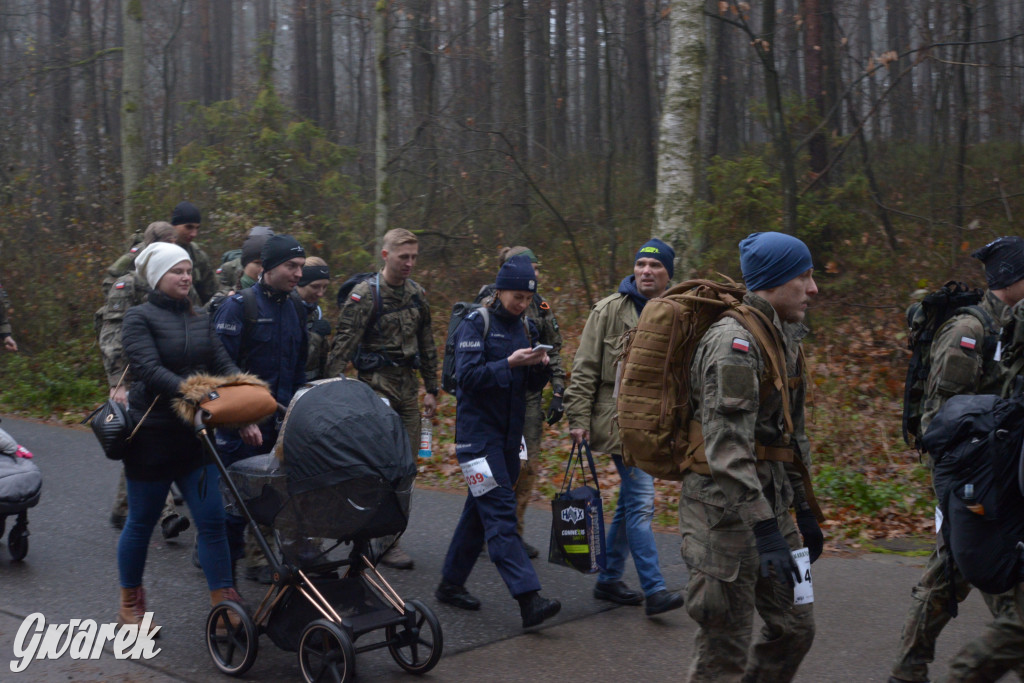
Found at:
(577, 519)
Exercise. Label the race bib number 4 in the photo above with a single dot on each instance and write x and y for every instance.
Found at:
(803, 592)
(478, 476)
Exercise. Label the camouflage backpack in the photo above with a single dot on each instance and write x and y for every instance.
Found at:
(924, 319)
(654, 412)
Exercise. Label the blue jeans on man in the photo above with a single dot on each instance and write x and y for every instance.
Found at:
(630, 531)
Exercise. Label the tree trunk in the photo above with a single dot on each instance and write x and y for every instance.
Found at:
(639, 121)
(814, 87)
(560, 131)
(306, 97)
(133, 145)
(765, 48)
(62, 134)
(325, 89)
(902, 96)
(91, 112)
(381, 69)
(967, 13)
(678, 156)
(712, 87)
(265, 42)
(223, 37)
(513, 101)
(591, 79)
(539, 29)
(482, 69)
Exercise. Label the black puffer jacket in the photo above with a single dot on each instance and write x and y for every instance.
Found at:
(164, 343)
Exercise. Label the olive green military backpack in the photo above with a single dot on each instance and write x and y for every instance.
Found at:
(654, 413)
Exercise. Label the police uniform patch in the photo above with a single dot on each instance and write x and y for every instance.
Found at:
(968, 343)
(740, 345)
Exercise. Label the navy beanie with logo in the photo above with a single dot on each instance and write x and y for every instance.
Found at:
(656, 249)
(1004, 261)
(185, 213)
(770, 259)
(280, 248)
(517, 274)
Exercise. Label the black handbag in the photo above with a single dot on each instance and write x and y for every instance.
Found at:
(577, 519)
(113, 425)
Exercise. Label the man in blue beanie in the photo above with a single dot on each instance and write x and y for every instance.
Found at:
(590, 407)
(734, 509)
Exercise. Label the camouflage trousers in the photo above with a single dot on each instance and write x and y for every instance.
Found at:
(532, 429)
(722, 595)
(1000, 646)
(120, 508)
(401, 387)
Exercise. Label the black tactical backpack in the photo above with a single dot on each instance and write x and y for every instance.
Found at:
(460, 311)
(924, 319)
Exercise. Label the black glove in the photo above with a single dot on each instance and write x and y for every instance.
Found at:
(814, 540)
(321, 327)
(555, 410)
(774, 552)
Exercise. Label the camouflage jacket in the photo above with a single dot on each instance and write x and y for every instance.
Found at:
(400, 331)
(229, 273)
(127, 291)
(729, 368)
(958, 358)
(590, 398)
(124, 264)
(539, 311)
(204, 280)
(319, 331)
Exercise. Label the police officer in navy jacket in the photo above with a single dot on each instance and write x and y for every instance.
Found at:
(495, 365)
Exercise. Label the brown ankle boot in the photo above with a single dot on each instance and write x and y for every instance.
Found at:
(219, 595)
(133, 607)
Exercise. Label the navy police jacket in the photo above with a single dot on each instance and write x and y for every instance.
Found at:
(491, 395)
(273, 346)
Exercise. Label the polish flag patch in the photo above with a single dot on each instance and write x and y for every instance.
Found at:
(740, 345)
(968, 343)
(355, 297)
(119, 285)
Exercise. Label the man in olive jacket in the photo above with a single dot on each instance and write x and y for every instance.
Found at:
(590, 407)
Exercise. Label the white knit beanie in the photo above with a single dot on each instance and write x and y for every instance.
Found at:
(154, 261)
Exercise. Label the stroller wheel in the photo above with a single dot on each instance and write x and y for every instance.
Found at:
(232, 647)
(326, 653)
(17, 542)
(416, 645)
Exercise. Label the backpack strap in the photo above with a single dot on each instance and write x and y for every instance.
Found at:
(770, 341)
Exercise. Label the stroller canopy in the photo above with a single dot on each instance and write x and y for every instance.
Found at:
(339, 430)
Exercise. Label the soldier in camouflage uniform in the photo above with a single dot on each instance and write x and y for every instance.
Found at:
(964, 361)
(734, 511)
(6, 334)
(160, 231)
(186, 221)
(539, 311)
(311, 288)
(230, 272)
(384, 330)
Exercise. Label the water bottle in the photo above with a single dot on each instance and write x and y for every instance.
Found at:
(426, 437)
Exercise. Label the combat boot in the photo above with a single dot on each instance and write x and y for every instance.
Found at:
(133, 608)
(534, 609)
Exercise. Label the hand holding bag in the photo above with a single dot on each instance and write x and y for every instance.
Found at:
(577, 518)
(113, 425)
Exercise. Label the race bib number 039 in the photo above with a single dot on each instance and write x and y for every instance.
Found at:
(478, 476)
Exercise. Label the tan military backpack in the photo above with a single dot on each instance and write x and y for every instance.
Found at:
(654, 414)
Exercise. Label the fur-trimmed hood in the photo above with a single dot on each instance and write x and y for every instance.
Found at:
(196, 389)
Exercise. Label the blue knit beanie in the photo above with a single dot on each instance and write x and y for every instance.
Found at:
(1004, 261)
(656, 249)
(770, 259)
(517, 274)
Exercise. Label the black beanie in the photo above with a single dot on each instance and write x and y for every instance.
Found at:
(313, 273)
(185, 212)
(1004, 261)
(280, 248)
(252, 247)
(517, 274)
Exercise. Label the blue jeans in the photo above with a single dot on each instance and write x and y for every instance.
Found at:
(630, 531)
(145, 503)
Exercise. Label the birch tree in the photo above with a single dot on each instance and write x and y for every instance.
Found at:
(133, 146)
(678, 151)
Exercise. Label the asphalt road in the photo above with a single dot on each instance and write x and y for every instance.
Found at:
(70, 573)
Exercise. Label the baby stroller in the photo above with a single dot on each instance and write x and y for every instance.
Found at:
(21, 483)
(342, 473)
